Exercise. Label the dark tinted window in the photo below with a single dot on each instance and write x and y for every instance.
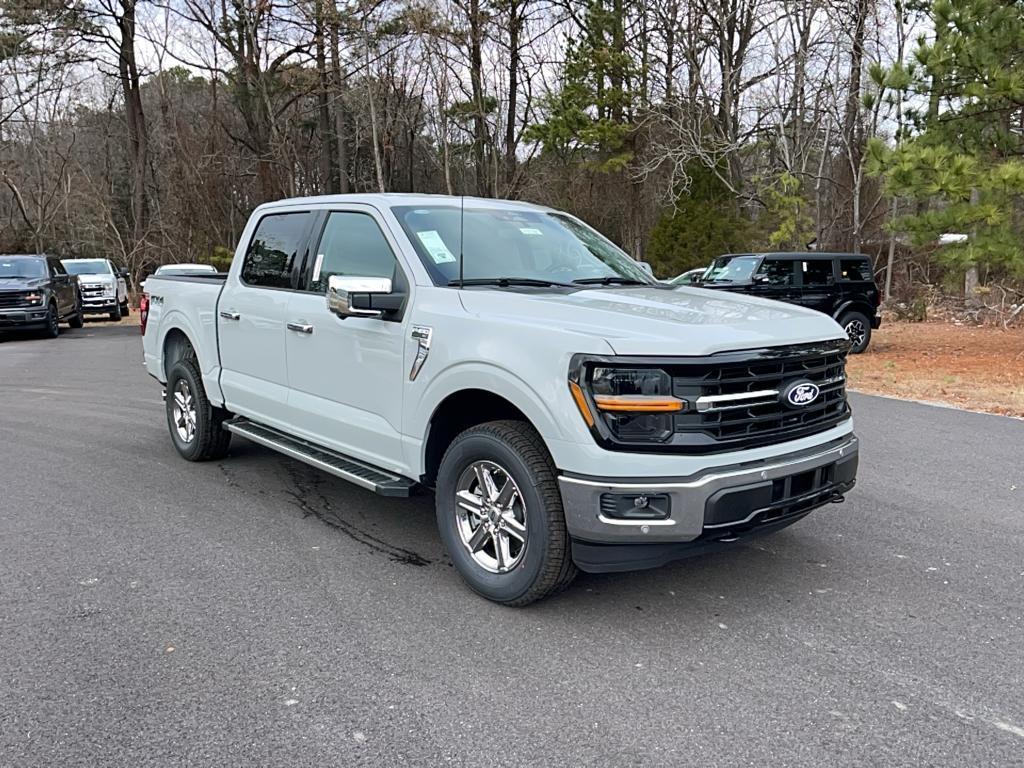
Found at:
(818, 272)
(854, 269)
(351, 245)
(778, 271)
(274, 247)
(56, 267)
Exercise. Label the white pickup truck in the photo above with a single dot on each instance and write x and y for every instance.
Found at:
(567, 410)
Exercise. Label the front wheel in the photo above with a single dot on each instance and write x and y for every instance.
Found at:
(499, 513)
(195, 424)
(858, 328)
(52, 329)
(115, 314)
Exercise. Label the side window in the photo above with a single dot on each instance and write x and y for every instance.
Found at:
(854, 269)
(275, 245)
(818, 272)
(352, 245)
(777, 271)
(56, 268)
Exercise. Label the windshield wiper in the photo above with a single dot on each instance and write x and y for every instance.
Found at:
(609, 280)
(505, 282)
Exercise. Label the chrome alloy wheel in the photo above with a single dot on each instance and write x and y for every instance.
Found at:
(856, 331)
(490, 516)
(184, 411)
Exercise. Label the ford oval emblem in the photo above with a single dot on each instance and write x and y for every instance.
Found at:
(801, 393)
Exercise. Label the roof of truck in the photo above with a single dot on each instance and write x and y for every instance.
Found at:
(390, 199)
(803, 254)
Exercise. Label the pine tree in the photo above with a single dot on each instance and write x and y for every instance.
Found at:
(963, 164)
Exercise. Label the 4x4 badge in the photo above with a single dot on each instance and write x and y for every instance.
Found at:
(801, 393)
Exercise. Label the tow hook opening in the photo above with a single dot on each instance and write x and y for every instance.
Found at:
(838, 499)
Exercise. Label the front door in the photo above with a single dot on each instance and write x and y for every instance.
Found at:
(65, 286)
(775, 279)
(251, 317)
(346, 376)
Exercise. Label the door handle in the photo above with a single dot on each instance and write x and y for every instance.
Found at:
(300, 327)
(229, 315)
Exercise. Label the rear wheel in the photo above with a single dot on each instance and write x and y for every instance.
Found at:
(196, 425)
(77, 319)
(858, 328)
(499, 513)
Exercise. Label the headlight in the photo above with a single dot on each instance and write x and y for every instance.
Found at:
(34, 298)
(635, 405)
(109, 290)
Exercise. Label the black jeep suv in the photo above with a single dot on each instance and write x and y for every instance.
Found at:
(37, 292)
(838, 284)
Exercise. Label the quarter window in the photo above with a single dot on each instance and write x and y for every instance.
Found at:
(352, 245)
(855, 270)
(818, 272)
(777, 271)
(275, 245)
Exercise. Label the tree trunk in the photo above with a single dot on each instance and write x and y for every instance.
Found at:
(337, 81)
(328, 181)
(515, 22)
(138, 137)
(476, 83)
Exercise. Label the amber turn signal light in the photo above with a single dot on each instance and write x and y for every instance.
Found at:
(639, 403)
(581, 403)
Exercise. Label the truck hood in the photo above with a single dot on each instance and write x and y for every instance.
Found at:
(655, 321)
(99, 279)
(21, 283)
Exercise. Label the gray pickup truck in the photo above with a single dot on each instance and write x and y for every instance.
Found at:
(567, 410)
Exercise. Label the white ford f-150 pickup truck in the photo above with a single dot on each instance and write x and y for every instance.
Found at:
(567, 410)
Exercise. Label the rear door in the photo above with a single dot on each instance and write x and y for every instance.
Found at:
(776, 279)
(347, 375)
(856, 281)
(252, 313)
(818, 284)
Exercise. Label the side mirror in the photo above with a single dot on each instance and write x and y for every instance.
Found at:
(343, 294)
(694, 279)
(759, 279)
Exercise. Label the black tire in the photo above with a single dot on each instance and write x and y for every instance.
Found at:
(209, 440)
(544, 565)
(125, 309)
(77, 320)
(115, 315)
(52, 330)
(858, 328)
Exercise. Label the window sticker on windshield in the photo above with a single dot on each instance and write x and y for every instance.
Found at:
(435, 247)
(530, 231)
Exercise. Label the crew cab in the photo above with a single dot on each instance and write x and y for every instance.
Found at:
(104, 286)
(567, 410)
(842, 285)
(37, 293)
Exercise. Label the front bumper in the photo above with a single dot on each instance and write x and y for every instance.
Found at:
(719, 505)
(99, 305)
(29, 317)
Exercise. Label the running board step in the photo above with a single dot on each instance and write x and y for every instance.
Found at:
(358, 472)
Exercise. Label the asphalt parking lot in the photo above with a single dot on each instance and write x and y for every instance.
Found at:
(256, 612)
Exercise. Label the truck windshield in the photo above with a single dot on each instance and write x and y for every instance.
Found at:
(87, 266)
(515, 247)
(22, 266)
(731, 269)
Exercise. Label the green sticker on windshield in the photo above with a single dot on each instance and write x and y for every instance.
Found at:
(435, 247)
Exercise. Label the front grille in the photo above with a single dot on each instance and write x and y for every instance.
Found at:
(12, 300)
(729, 423)
(92, 291)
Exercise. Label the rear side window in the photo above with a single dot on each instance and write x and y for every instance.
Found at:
(277, 242)
(818, 272)
(56, 268)
(777, 271)
(855, 270)
(351, 245)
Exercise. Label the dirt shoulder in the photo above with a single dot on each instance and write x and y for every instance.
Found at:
(976, 368)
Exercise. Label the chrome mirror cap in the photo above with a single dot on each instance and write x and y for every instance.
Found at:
(340, 289)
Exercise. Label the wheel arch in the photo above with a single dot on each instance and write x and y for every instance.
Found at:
(853, 305)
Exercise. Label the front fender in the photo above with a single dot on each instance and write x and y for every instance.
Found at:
(537, 404)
